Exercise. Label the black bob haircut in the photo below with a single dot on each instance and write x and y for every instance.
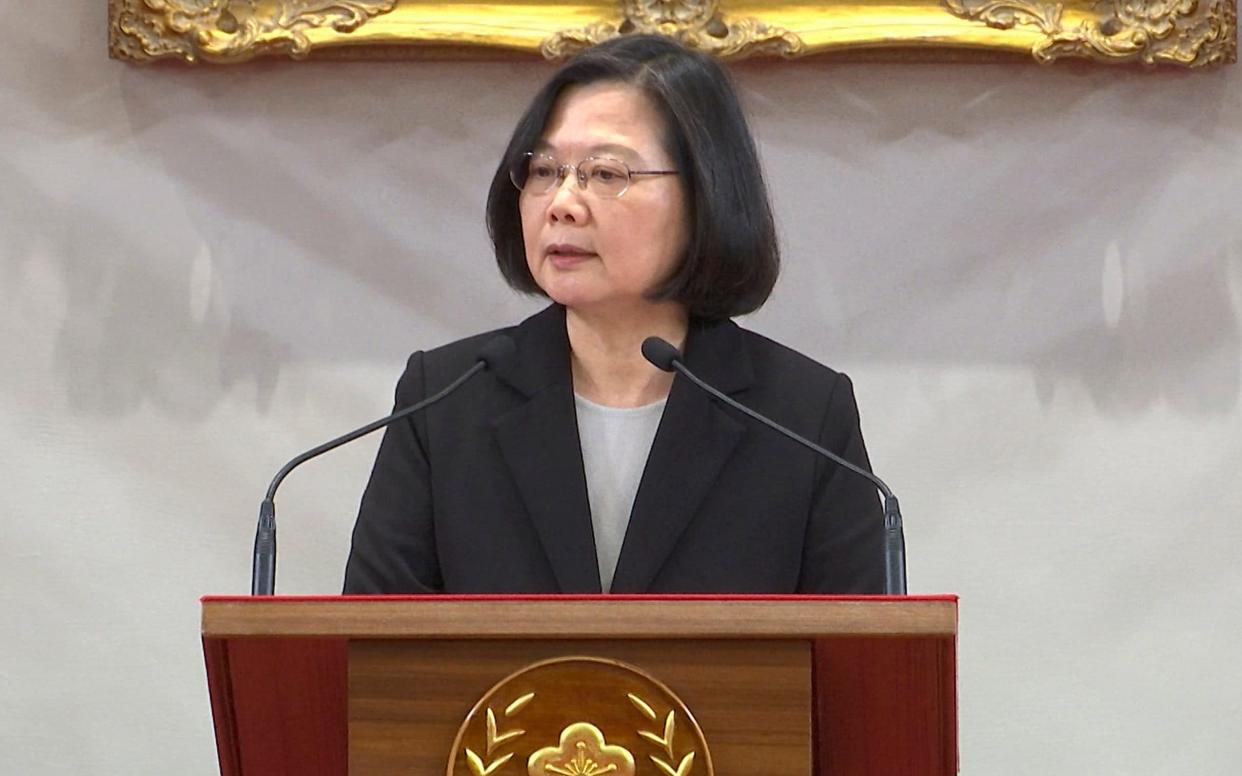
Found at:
(732, 259)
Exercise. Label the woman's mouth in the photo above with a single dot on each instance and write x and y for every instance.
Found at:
(564, 255)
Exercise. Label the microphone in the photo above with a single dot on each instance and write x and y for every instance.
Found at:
(665, 357)
(497, 354)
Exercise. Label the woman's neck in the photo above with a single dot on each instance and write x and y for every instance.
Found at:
(607, 361)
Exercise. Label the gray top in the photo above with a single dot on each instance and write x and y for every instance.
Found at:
(615, 442)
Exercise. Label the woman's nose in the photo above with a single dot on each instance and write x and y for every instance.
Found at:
(567, 203)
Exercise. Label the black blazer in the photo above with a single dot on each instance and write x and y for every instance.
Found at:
(485, 491)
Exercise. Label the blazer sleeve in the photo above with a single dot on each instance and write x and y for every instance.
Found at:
(394, 543)
(843, 552)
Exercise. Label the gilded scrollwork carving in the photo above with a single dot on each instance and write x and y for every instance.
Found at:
(1193, 33)
(230, 30)
(699, 24)
(1181, 33)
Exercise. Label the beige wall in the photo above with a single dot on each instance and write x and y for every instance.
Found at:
(1033, 275)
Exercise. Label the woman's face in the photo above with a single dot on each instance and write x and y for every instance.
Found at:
(594, 253)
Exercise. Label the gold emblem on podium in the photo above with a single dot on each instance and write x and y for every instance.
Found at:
(580, 716)
(582, 752)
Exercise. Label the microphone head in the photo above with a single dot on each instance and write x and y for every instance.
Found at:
(498, 353)
(660, 353)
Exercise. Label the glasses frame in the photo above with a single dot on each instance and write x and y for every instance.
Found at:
(562, 172)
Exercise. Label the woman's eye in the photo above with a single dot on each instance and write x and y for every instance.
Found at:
(542, 171)
(605, 175)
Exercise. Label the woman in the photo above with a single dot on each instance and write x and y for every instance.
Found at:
(631, 196)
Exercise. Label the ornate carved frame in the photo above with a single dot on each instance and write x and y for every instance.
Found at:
(1185, 33)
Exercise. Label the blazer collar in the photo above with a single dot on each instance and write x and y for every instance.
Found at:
(539, 441)
(695, 439)
(542, 359)
(715, 351)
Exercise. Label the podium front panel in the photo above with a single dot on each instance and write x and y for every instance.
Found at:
(408, 702)
(830, 686)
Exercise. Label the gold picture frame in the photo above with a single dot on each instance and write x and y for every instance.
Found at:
(1183, 33)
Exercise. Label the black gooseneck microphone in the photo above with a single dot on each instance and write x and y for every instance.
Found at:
(494, 355)
(664, 356)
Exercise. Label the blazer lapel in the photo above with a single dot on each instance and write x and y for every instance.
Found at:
(539, 442)
(695, 438)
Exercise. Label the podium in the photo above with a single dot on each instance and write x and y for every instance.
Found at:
(583, 685)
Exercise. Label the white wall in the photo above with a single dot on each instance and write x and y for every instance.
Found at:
(1033, 275)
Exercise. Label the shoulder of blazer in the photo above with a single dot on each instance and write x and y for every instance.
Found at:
(542, 353)
(815, 400)
(733, 358)
(771, 359)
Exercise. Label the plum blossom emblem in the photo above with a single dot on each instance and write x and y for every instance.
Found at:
(582, 752)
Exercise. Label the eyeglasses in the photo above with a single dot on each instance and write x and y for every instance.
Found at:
(604, 177)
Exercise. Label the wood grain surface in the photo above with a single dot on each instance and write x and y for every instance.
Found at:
(752, 699)
(598, 618)
(885, 706)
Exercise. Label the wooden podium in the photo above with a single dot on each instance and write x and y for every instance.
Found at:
(620, 685)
